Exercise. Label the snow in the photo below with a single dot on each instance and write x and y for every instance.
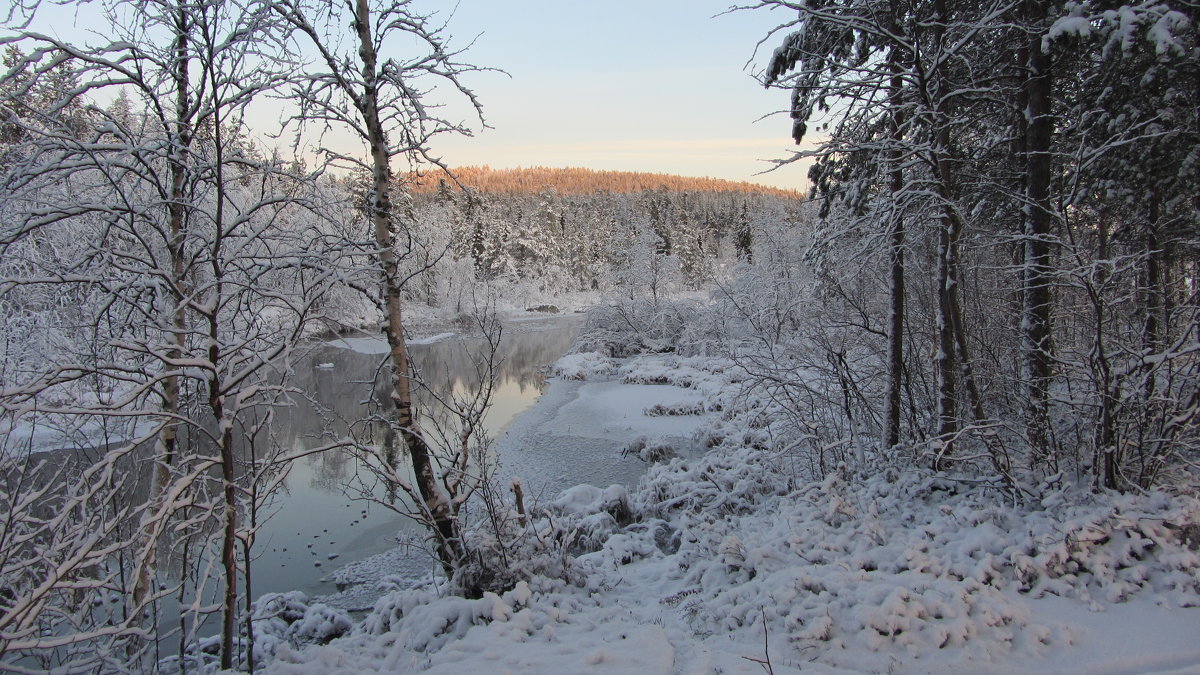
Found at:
(588, 365)
(1070, 25)
(379, 344)
(430, 339)
(594, 420)
(1136, 636)
(381, 570)
(722, 561)
(615, 410)
(362, 345)
(1162, 27)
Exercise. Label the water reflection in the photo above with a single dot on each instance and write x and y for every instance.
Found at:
(315, 518)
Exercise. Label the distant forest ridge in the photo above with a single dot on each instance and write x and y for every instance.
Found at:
(575, 180)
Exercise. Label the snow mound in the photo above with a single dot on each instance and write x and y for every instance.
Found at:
(585, 366)
(585, 500)
(282, 621)
(708, 374)
(425, 625)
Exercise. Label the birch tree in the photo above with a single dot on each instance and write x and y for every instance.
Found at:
(378, 87)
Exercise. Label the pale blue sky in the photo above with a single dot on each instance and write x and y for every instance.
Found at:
(646, 85)
(639, 85)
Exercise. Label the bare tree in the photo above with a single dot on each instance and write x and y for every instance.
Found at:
(460, 449)
(380, 94)
(196, 260)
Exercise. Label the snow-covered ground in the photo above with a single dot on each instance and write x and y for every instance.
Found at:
(729, 561)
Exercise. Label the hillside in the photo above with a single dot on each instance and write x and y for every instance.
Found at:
(575, 180)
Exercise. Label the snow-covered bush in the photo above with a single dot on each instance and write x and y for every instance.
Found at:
(423, 622)
(630, 327)
(720, 482)
(513, 543)
(675, 409)
(904, 559)
(540, 558)
(289, 618)
(584, 366)
(651, 451)
(283, 623)
(585, 500)
(689, 372)
(811, 377)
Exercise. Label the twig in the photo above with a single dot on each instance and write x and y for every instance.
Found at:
(765, 662)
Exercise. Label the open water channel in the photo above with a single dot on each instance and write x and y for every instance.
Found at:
(316, 522)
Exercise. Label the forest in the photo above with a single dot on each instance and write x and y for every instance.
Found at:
(960, 375)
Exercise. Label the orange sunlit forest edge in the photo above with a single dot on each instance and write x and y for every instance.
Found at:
(576, 180)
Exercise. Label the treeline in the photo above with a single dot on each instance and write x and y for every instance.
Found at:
(1009, 248)
(541, 244)
(577, 180)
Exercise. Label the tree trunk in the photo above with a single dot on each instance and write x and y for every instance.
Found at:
(167, 441)
(1152, 327)
(946, 348)
(1105, 459)
(947, 263)
(437, 506)
(224, 415)
(1036, 271)
(248, 619)
(895, 340)
(228, 542)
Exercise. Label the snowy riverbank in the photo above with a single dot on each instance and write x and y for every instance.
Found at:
(596, 415)
(726, 561)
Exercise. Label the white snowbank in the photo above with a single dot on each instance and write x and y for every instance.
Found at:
(583, 426)
(585, 366)
(379, 344)
(362, 345)
(431, 339)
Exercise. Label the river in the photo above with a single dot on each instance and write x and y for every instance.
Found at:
(318, 519)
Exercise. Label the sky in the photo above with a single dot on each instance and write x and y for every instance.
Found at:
(642, 85)
(638, 85)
